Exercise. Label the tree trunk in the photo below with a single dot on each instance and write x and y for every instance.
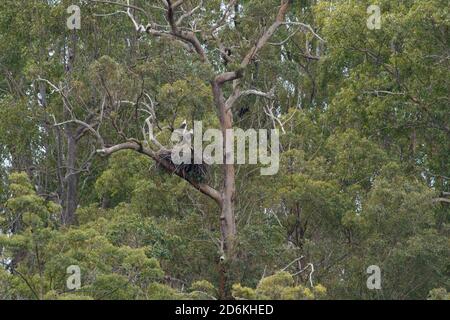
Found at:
(227, 218)
(70, 201)
(71, 179)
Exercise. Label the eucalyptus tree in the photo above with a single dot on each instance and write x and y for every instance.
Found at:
(219, 46)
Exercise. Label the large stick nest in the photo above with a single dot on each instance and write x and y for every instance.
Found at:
(197, 172)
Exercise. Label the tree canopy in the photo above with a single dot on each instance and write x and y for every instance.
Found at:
(86, 120)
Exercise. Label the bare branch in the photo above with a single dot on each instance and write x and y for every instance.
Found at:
(188, 14)
(267, 34)
(444, 200)
(128, 5)
(269, 111)
(292, 262)
(309, 265)
(238, 93)
(86, 125)
(260, 43)
(226, 77)
(167, 165)
(285, 40)
(225, 16)
(307, 27)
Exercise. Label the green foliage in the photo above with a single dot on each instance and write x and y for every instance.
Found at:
(364, 164)
(439, 294)
(203, 290)
(280, 286)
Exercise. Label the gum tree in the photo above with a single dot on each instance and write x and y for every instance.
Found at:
(213, 39)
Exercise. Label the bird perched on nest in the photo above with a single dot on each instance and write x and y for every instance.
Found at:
(197, 172)
(184, 135)
(183, 125)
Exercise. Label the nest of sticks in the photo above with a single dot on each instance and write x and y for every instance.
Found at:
(197, 172)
